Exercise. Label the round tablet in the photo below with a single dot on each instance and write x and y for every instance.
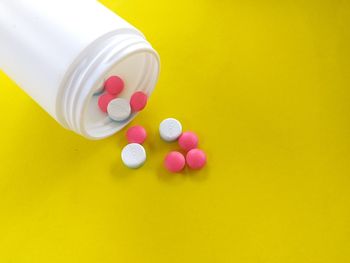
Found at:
(136, 134)
(170, 129)
(174, 162)
(138, 101)
(119, 109)
(104, 100)
(188, 141)
(114, 85)
(133, 155)
(196, 159)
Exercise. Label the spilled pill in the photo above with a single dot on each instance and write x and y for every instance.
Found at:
(196, 159)
(119, 109)
(114, 85)
(133, 155)
(174, 162)
(188, 141)
(170, 129)
(138, 101)
(136, 134)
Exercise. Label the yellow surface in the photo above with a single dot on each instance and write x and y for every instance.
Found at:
(266, 86)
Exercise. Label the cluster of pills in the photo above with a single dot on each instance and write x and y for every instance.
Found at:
(171, 130)
(120, 109)
(134, 155)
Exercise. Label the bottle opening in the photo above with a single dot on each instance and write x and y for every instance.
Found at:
(128, 56)
(139, 72)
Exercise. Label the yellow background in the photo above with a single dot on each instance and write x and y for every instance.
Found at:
(266, 86)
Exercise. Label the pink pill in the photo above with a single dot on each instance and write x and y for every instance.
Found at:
(114, 85)
(104, 100)
(174, 162)
(138, 101)
(188, 141)
(196, 159)
(136, 134)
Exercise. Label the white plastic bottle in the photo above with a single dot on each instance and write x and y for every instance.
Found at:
(60, 52)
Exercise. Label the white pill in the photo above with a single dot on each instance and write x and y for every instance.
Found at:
(133, 155)
(119, 109)
(170, 129)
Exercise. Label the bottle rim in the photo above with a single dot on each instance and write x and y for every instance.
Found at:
(76, 102)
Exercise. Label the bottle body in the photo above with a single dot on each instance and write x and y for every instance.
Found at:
(59, 52)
